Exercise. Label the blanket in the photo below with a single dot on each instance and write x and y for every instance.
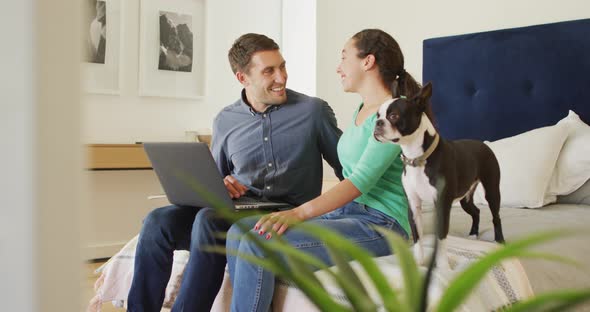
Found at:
(503, 285)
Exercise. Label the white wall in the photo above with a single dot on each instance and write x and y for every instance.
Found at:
(128, 118)
(294, 25)
(410, 22)
(59, 188)
(299, 44)
(16, 160)
(41, 163)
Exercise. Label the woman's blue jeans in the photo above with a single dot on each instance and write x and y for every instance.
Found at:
(253, 286)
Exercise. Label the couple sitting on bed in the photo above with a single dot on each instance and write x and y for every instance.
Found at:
(270, 143)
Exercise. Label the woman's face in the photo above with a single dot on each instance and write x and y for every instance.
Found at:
(350, 68)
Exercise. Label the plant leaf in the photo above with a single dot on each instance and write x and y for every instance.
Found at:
(310, 287)
(305, 280)
(308, 283)
(365, 259)
(347, 279)
(263, 262)
(273, 261)
(350, 283)
(460, 288)
(555, 301)
(408, 267)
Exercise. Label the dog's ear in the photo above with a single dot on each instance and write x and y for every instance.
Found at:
(426, 92)
(423, 97)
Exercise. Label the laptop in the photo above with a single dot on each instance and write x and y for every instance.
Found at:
(179, 164)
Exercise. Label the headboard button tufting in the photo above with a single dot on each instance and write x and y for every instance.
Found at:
(528, 87)
(470, 89)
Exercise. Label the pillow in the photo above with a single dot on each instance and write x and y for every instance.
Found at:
(526, 166)
(580, 196)
(573, 165)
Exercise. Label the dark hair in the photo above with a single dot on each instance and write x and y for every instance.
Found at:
(390, 60)
(244, 47)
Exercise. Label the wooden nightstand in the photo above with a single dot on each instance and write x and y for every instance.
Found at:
(117, 156)
(120, 178)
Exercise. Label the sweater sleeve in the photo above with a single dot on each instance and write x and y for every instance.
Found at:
(375, 160)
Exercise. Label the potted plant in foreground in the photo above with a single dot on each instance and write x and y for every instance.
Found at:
(300, 268)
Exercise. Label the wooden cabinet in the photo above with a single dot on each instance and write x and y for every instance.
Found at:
(120, 179)
(117, 204)
(117, 156)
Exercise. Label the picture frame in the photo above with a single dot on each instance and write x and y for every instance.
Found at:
(102, 75)
(171, 48)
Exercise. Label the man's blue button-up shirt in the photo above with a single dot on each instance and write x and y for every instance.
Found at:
(278, 154)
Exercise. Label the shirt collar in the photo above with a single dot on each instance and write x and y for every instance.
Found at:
(248, 108)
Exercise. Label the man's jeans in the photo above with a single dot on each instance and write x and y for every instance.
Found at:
(178, 228)
(253, 286)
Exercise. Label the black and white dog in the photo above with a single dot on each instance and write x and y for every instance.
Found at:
(438, 170)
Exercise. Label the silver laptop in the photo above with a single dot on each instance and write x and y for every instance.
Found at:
(182, 166)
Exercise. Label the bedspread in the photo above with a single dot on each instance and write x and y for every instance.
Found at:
(505, 284)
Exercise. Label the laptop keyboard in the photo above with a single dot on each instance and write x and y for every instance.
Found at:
(253, 203)
(246, 201)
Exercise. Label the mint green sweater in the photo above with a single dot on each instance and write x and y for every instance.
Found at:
(375, 168)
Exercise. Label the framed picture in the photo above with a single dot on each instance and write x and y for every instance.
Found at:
(101, 50)
(171, 55)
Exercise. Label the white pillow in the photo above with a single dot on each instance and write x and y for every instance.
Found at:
(526, 166)
(573, 165)
(580, 196)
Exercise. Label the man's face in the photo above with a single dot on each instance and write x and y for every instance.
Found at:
(266, 80)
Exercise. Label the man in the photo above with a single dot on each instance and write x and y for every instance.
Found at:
(269, 144)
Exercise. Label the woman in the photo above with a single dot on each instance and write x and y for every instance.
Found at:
(371, 194)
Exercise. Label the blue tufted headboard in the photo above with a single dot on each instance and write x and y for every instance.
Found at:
(496, 84)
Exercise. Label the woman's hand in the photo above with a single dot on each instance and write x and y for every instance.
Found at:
(278, 221)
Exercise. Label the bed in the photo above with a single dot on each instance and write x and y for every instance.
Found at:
(527, 92)
(494, 85)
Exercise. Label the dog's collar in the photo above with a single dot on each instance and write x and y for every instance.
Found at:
(421, 160)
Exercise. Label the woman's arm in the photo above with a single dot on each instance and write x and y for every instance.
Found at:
(375, 160)
(337, 196)
(342, 193)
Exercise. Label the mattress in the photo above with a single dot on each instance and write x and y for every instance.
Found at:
(517, 223)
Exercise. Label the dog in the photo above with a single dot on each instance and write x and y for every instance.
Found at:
(438, 170)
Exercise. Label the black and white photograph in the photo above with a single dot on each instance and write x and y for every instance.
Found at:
(96, 41)
(176, 42)
(171, 48)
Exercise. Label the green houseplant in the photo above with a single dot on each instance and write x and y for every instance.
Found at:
(299, 269)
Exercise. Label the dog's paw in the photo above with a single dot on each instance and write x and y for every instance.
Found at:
(472, 237)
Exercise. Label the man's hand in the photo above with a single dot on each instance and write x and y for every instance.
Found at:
(234, 188)
(278, 222)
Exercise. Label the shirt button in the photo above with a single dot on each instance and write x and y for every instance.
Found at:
(266, 138)
(269, 164)
(263, 115)
(268, 187)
